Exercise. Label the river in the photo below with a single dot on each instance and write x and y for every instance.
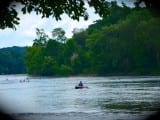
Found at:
(114, 97)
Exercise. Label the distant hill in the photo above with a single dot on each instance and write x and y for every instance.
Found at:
(12, 60)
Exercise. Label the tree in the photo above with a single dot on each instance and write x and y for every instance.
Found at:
(58, 34)
(73, 8)
(80, 38)
(49, 66)
(42, 38)
(123, 45)
(149, 3)
(34, 60)
(116, 13)
(55, 8)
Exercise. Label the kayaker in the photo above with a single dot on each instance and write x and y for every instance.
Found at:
(80, 84)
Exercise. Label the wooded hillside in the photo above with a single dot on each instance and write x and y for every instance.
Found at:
(12, 60)
(126, 42)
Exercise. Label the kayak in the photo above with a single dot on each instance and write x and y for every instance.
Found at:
(80, 87)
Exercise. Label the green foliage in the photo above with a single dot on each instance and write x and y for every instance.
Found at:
(80, 39)
(34, 60)
(116, 13)
(42, 38)
(75, 9)
(49, 66)
(12, 60)
(65, 70)
(58, 34)
(126, 42)
(46, 8)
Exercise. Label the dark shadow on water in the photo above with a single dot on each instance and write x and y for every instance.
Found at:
(130, 106)
(4, 116)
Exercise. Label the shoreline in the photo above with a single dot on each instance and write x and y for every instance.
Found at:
(84, 75)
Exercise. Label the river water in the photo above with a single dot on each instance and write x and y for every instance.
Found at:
(110, 97)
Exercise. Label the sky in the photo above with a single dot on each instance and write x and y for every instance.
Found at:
(25, 32)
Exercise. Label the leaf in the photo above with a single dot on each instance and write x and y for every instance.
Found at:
(24, 10)
(29, 9)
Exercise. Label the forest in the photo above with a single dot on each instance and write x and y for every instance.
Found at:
(12, 60)
(125, 42)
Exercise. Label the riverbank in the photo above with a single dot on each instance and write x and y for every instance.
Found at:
(84, 75)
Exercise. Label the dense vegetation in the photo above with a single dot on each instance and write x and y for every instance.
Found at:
(12, 60)
(126, 42)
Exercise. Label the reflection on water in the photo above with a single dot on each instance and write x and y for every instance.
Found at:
(105, 94)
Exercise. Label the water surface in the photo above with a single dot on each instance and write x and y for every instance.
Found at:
(57, 95)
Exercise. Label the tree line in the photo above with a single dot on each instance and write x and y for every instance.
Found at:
(125, 42)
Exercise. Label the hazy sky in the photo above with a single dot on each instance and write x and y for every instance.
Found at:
(25, 33)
